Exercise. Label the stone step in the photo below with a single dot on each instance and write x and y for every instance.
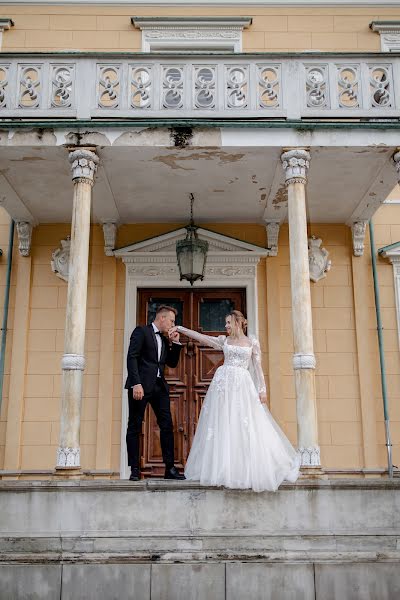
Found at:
(157, 539)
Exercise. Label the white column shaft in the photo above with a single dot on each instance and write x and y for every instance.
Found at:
(301, 316)
(296, 163)
(73, 363)
(75, 324)
(299, 270)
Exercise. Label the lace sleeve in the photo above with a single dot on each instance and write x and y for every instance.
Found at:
(207, 340)
(257, 372)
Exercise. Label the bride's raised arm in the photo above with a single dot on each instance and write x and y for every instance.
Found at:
(257, 372)
(207, 340)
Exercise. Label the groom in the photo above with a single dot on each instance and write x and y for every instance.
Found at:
(149, 352)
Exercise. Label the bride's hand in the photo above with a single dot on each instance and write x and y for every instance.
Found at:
(173, 334)
(263, 398)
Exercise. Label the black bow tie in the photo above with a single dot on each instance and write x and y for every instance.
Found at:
(158, 332)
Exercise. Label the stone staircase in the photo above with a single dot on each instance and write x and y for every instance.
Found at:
(162, 540)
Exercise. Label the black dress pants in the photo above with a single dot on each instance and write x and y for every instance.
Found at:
(159, 400)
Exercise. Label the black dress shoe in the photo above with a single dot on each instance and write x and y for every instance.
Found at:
(135, 474)
(173, 473)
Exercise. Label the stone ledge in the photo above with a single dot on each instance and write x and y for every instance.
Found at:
(200, 557)
(148, 485)
(348, 521)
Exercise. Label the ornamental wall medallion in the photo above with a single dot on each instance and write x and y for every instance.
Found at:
(60, 259)
(317, 259)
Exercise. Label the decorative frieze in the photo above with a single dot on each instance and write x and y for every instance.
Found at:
(358, 230)
(168, 271)
(231, 271)
(318, 260)
(24, 231)
(60, 259)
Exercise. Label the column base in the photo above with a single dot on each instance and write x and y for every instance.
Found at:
(307, 472)
(68, 472)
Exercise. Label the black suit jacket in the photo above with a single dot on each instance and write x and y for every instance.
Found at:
(142, 358)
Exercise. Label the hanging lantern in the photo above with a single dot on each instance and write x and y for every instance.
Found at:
(191, 252)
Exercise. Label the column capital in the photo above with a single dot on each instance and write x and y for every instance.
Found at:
(295, 163)
(83, 164)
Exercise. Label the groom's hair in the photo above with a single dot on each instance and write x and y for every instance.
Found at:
(164, 308)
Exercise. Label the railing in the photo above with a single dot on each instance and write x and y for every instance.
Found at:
(239, 86)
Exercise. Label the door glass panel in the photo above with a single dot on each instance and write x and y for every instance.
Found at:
(153, 303)
(213, 312)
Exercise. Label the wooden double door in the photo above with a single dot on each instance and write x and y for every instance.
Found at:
(204, 311)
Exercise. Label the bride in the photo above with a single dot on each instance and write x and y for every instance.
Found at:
(237, 442)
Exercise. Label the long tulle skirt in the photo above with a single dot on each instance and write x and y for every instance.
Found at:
(237, 442)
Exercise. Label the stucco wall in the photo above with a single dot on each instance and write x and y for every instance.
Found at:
(108, 28)
(344, 433)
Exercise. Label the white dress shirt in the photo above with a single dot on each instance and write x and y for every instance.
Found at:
(159, 346)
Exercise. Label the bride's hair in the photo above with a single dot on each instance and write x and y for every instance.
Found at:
(238, 322)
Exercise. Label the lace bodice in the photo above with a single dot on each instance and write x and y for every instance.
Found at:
(237, 356)
(246, 357)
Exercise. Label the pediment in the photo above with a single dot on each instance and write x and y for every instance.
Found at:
(165, 245)
(392, 252)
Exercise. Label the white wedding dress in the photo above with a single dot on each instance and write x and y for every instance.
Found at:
(237, 442)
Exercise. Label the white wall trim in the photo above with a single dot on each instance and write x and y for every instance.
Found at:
(201, 34)
(5, 25)
(152, 264)
(389, 32)
(393, 256)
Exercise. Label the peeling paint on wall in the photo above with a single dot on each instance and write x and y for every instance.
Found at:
(172, 160)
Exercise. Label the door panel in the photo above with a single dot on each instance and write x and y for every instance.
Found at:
(202, 310)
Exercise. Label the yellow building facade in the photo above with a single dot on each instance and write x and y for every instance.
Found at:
(351, 431)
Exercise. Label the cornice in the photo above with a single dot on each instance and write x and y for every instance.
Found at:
(385, 26)
(183, 3)
(189, 22)
(5, 23)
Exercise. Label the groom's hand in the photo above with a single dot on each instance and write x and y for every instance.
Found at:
(173, 335)
(138, 392)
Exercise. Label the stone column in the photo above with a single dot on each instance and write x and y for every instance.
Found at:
(84, 164)
(295, 164)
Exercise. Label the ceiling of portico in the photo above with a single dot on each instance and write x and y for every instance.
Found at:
(149, 184)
